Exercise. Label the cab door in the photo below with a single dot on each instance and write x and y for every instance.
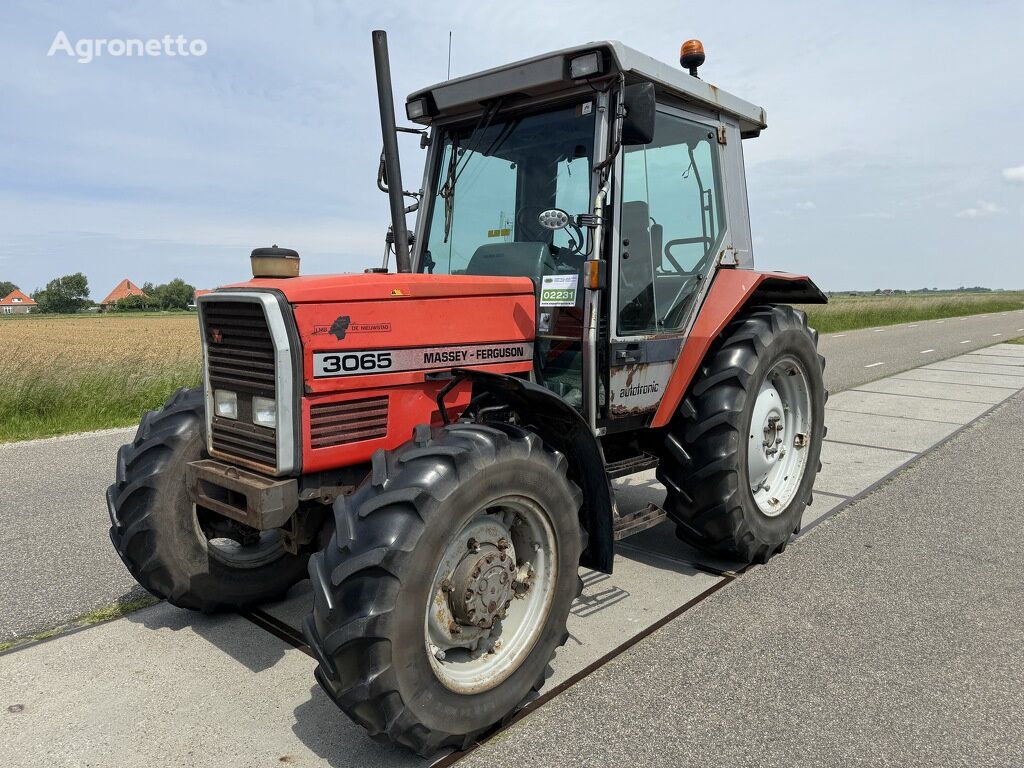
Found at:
(669, 227)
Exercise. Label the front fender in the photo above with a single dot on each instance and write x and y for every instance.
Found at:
(563, 428)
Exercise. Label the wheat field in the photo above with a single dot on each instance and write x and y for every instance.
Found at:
(61, 374)
(83, 372)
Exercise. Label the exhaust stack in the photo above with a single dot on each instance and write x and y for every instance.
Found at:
(389, 131)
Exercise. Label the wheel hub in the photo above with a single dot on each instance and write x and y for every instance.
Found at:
(482, 584)
(779, 429)
(491, 594)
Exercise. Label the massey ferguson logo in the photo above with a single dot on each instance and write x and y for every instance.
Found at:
(343, 326)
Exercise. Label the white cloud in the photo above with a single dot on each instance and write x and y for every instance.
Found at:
(981, 209)
(807, 205)
(1015, 174)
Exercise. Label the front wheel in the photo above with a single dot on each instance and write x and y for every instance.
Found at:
(741, 455)
(191, 556)
(444, 592)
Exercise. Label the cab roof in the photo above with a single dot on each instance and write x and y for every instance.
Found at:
(549, 73)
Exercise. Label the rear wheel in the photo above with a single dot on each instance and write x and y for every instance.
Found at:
(741, 455)
(444, 593)
(191, 556)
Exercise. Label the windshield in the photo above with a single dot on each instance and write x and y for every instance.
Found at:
(493, 180)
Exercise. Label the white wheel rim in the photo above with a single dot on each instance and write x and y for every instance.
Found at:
(471, 658)
(780, 430)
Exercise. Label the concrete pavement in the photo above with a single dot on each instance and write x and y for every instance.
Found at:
(169, 687)
(893, 636)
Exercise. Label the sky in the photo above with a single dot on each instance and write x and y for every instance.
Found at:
(893, 156)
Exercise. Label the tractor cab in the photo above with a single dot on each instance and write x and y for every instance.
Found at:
(610, 179)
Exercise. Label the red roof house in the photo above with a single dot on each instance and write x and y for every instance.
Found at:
(16, 303)
(122, 290)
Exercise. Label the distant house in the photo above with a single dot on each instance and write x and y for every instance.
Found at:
(122, 290)
(16, 303)
(199, 292)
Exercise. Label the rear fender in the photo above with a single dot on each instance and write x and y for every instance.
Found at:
(562, 428)
(731, 290)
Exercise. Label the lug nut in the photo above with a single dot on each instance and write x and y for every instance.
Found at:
(447, 586)
(473, 544)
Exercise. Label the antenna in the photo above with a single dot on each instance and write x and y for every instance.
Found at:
(449, 75)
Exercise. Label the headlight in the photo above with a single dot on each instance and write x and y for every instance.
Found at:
(264, 411)
(225, 403)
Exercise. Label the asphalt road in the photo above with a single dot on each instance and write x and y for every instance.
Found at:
(893, 636)
(855, 357)
(57, 562)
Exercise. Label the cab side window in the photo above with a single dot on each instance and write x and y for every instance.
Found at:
(670, 226)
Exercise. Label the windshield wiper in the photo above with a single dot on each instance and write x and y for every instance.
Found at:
(447, 192)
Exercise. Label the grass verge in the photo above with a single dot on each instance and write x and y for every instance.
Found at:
(105, 613)
(848, 313)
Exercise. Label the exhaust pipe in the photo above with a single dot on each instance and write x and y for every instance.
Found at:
(389, 131)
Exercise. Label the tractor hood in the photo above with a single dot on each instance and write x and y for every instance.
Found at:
(366, 331)
(317, 289)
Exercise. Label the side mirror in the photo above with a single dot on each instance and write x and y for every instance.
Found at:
(638, 124)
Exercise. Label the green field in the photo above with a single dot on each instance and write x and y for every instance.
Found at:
(847, 313)
(62, 374)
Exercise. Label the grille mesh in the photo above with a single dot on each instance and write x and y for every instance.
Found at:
(239, 347)
(240, 356)
(348, 422)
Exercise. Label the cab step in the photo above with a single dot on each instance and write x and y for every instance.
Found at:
(641, 520)
(631, 465)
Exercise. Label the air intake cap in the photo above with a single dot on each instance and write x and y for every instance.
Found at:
(274, 262)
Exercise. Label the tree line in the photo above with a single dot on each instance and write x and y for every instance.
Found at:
(70, 293)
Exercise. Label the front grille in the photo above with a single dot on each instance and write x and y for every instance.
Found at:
(240, 350)
(240, 358)
(348, 422)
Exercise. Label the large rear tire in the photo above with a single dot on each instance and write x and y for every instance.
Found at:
(192, 557)
(741, 455)
(444, 592)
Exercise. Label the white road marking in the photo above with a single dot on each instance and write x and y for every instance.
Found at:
(838, 335)
(911, 326)
(997, 334)
(966, 341)
(1020, 329)
(940, 321)
(873, 365)
(926, 351)
(878, 330)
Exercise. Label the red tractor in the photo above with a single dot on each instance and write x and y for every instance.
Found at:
(434, 446)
